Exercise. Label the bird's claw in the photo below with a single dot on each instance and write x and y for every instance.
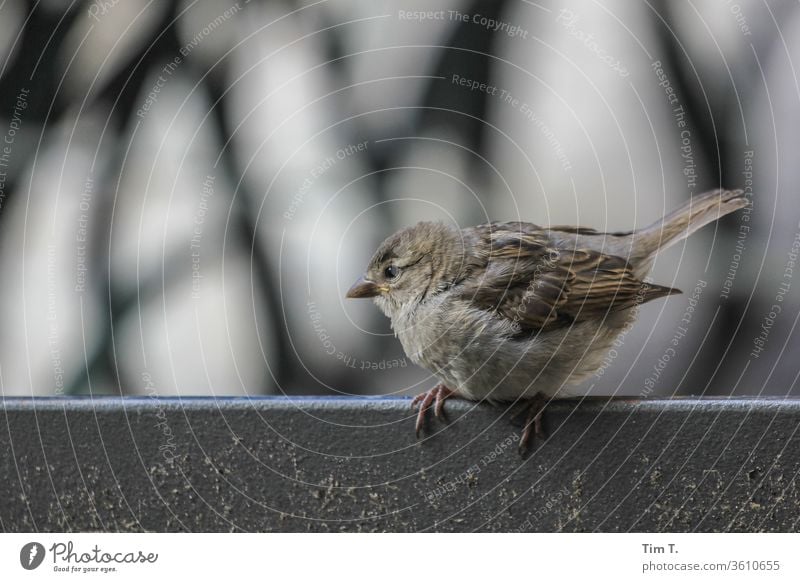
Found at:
(435, 396)
(533, 421)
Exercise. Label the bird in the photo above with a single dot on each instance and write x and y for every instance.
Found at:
(510, 311)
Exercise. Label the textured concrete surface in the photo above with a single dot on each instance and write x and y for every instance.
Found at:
(351, 464)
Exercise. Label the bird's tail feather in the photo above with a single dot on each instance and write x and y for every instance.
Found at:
(692, 216)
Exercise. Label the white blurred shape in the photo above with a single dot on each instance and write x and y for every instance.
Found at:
(104, 38)
(287, 140)
(201, 344)
(52, 315)
(162, 181)
(171, 216)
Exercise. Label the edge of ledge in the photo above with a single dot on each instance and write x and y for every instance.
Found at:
(276, 402)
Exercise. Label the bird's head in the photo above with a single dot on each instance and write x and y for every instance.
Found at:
(412, 265)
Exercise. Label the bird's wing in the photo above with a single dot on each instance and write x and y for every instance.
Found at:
(531, 281)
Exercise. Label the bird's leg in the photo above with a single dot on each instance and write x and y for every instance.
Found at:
(533, 420)
(435, 396)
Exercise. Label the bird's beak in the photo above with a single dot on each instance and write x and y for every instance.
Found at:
(364, 288)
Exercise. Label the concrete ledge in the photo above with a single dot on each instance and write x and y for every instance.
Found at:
(353, 464)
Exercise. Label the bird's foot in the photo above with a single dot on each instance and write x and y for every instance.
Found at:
(533, 421)
(435, 396)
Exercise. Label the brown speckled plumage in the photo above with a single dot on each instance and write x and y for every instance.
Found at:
(504, 311)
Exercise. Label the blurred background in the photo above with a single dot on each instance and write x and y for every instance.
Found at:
(188, 188)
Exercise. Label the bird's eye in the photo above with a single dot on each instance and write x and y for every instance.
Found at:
(391, 272)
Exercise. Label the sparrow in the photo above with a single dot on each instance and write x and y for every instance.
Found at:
(511, 311)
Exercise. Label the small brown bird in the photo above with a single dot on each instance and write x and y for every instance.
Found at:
(510, 311)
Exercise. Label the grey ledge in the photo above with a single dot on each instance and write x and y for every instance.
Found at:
(354, 464)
